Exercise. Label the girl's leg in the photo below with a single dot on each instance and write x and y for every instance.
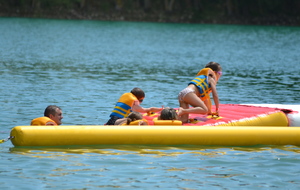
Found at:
(183, 117)
(198, 106)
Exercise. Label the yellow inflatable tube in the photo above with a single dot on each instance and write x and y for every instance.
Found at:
(154, 135)
(272, 119)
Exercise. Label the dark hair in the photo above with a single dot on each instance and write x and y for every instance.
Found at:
(51, 110)
(139, 93)
(214, 66)
(133, 116)
(168, 114)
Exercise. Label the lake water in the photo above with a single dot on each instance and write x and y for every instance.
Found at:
(84, 66)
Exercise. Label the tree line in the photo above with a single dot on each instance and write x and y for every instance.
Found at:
(160, 10)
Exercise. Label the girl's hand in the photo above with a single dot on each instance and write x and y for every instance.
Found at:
(215, 113)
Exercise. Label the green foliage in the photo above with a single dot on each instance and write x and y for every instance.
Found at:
(59, 3)
(163, 10)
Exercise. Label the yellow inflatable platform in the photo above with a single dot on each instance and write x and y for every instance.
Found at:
(154, 135)
(238, 125)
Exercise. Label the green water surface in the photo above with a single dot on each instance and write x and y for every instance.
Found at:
(84, 66)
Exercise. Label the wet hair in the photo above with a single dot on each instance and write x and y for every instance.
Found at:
(168, 114)
(134, 116)
(139, 93)
(52, 109)
(214, 66)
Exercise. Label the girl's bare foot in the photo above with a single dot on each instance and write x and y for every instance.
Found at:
(180, 112)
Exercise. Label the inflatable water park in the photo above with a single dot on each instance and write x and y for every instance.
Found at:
(237, 125)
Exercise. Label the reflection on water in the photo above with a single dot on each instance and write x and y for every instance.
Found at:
(149, 150)
(161, 167)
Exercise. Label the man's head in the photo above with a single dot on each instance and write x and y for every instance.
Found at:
(55, 113)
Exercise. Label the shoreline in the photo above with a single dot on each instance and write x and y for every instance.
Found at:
(158, 17)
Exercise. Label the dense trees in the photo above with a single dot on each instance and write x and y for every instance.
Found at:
(198, 11)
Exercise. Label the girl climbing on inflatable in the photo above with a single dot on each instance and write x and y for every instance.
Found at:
(197, 92)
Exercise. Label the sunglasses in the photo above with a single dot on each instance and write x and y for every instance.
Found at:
(220, 73)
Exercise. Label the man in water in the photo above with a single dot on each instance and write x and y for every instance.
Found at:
(52, 116)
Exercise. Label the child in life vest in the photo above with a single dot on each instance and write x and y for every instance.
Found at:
(129, 102)
(197, 92)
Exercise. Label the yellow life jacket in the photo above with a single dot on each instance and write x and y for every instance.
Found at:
(156, 122)
(43, 121)
(206, 72)
(123, 107)
(201, 82)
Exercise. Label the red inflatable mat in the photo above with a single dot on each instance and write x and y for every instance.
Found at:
(235, 115)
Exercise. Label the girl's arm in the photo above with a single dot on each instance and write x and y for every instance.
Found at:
(215, 94)
(207, 102)
(136, 107)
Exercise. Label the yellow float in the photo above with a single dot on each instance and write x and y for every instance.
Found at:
(154, 135)
(238, 126)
